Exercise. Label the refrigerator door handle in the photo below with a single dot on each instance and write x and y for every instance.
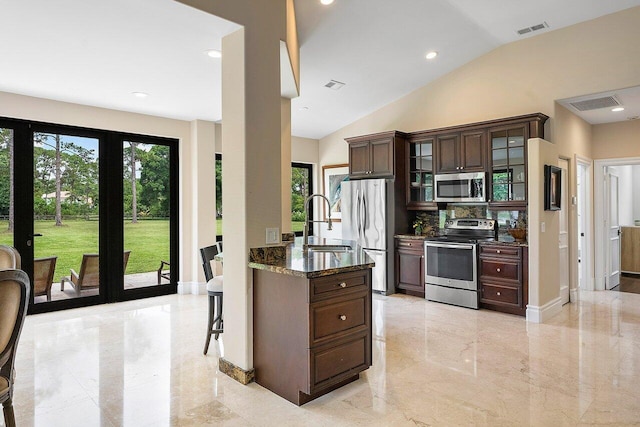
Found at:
(364, 213)
(357, 216)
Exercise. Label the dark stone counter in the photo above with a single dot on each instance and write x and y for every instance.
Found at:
(289, 259)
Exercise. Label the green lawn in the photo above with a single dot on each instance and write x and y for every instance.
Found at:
(148, 242)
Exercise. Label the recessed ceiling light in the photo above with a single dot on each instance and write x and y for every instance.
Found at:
(432, 54)
(139, 94)
(214, 53)
(326, 2)
(616, 109)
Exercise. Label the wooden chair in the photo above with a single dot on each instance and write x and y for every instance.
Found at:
(14, 296)
(43, 269)
(9, 257)
(89, 276)
(214, 290)
(164, 272)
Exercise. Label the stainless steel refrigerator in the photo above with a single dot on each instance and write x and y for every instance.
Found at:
(367, 209)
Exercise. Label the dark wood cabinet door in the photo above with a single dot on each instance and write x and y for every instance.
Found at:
(472, 151)
(447, 153)
(359, 159)
(381, 158)
(410, 269)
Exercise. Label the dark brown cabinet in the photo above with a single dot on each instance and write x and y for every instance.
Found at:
(311, 336)
(503, 271)
(376, 156)
(420, 160)
(507, 169)
(461, 152)
(410, 266)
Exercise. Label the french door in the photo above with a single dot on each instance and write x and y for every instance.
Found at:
(93, 213)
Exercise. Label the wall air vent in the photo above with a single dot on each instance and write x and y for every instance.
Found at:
(595, 103)
(532, 28)
(334, 85)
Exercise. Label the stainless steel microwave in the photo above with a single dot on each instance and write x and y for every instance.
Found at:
(460, 187)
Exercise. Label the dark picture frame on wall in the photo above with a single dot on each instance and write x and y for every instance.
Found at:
(552, 188)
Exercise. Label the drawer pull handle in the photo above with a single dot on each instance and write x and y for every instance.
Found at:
(343, 317)
(343, 285)
(498, 251)
(498, 293)
(498, 270)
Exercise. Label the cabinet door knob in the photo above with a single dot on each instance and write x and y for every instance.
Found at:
(498, 251)
(498, 270)
(343, 317)
(343, 285)
(498, 293)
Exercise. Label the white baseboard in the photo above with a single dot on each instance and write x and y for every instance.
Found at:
(574, 294)
(194, 288)
(541, 314)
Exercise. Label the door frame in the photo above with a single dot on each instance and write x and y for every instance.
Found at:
(565, 210)
(586, 257)
(600, 214)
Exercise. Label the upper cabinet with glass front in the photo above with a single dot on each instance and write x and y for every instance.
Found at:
(420, 171)
(508, 160)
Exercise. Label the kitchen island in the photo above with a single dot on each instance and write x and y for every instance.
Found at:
(311, 317)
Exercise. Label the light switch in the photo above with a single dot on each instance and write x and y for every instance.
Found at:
(272, 235)
(542, 227)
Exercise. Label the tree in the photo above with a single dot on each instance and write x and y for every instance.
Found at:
(6, 140)
(154, 180)
(43, 139)
(299, 192)
(131, 156)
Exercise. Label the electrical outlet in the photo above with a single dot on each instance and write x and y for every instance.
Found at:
(272, 235)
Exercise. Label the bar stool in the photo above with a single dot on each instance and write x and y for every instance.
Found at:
(214, 290)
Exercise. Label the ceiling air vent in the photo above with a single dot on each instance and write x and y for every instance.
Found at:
(595, 103)
(533, 28)
(334, 85)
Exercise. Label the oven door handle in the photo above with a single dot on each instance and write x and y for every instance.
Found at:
(449, 245)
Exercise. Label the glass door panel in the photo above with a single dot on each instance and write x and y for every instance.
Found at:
(65, 217)
(301, 189)
(147, 214)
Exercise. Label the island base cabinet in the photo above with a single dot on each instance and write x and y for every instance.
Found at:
(310, 336)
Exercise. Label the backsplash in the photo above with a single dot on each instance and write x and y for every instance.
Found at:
(506, 219)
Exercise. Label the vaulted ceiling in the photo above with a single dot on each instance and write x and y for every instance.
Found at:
(98, 53)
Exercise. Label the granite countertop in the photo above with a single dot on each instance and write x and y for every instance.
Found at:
(289, 259)
(506, 241)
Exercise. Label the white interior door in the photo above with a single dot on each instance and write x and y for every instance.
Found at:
(613, 227)
(563, 237)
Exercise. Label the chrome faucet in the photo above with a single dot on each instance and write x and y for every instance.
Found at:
(305, 232)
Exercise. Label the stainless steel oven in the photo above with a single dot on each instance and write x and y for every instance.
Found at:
(451, 261)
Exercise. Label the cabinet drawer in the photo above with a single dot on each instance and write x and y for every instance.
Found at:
(414, 245)
(340, 283)
(330, 365)
(491, 293)
(501, 251)
(329, 319)
(507, 270)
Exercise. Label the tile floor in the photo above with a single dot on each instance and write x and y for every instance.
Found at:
(140, 363)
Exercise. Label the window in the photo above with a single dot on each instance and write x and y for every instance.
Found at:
(301, 188)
